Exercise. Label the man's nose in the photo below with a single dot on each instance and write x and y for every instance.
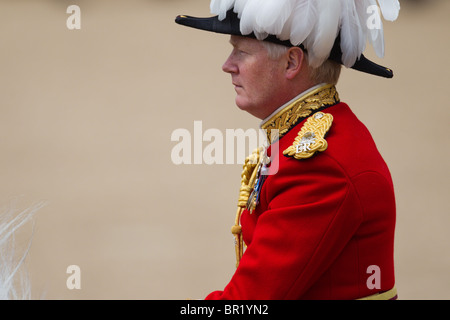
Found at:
(229, 66)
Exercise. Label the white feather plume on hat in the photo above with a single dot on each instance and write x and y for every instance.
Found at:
(314, 23)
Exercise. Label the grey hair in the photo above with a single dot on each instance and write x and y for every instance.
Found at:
(328, 72)
(274, 51)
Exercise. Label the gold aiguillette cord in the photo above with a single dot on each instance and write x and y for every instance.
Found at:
(248, 178)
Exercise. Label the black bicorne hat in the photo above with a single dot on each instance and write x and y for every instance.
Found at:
(231, 25)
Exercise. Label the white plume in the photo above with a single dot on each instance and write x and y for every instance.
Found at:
(390, 9)
(272, 15)
(352, 36)
(239, 6)
(220, 7)
(320, 42)
(249, 22)
(361, 12)
(314, 23)
(305, 16)
(376, 34)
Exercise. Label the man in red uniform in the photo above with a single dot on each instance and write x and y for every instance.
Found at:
(317, 207)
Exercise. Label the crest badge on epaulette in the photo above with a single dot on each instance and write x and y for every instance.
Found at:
(311, 138)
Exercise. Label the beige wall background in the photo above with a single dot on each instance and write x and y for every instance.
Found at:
(86, 118)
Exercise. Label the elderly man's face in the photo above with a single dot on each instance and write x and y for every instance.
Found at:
(257, 78)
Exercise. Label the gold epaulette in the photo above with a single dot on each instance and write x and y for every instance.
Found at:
(311, 138)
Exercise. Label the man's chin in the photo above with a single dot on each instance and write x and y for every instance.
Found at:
(250, 108)
(241, 104)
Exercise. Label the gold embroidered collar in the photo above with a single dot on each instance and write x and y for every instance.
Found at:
(296, 111)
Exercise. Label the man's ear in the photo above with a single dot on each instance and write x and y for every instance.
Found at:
(295, 59)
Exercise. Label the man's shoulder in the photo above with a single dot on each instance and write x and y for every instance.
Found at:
(334, 133)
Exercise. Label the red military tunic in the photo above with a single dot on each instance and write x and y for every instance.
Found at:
(323, 224)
